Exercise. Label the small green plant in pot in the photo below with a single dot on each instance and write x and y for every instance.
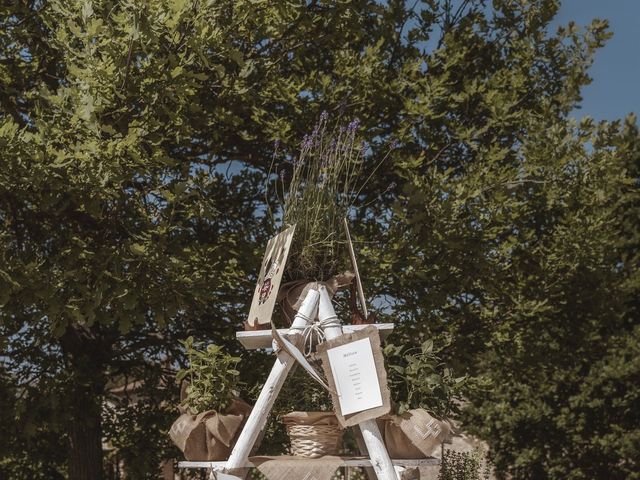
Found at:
(212, 378)
(209, 400)
(307, 414)
(424, 394)
(418, 378)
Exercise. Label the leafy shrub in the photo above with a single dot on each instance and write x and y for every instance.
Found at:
(212, 376)
(463, 466)
(419, 379)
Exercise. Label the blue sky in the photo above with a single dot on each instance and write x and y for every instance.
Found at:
(615, 89)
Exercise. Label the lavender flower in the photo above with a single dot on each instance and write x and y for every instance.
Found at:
(363, 148)
(324, 116)
(307, 142)
(353, 125)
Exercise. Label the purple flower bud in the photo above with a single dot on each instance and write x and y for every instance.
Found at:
(276, 144)
(353, 126)
(363, 148)
(324, 116)
(307, 141)
(395, 144)
(282, 175)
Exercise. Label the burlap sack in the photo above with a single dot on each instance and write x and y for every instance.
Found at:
(297, 468)
(224, 429)
(188, 432)
(209, 435)
(291, 294)
(309, 418)
(414, 434)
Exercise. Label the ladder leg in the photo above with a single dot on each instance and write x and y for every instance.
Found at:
(260, 412)
(362, 448)
(377, 450)
(370, 432)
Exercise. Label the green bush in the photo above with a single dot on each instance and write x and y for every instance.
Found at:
(463, 466)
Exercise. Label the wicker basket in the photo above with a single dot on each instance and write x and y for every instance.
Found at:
(313, 434)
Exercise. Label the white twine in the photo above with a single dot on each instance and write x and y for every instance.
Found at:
(313, 332)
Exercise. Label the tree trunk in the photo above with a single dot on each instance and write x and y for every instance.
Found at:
(85, 442)
(84, 355)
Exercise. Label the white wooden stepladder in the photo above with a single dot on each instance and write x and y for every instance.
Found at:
(317, 304)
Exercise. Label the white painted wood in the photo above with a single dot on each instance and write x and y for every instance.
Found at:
(370, 432)
(348, 462)
(362, 448)
(260, 412)
(254, 339)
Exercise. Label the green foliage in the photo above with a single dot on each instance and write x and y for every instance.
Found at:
(419, 379)
(463, 466)
(135, 138)
(300, 393)
(137, 430)
(213, 378)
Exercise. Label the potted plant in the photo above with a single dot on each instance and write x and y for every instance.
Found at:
(315, 191)
(212, 378)
(212, 415)
(424, 393)
(306, 412)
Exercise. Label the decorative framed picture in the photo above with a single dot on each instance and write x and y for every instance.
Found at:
(271, 270)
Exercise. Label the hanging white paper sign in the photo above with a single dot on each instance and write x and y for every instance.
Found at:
(354, 372)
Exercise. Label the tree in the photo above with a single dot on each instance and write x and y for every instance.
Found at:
(510, 234)
(135, 141)
(122, 228)
(559, 402)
